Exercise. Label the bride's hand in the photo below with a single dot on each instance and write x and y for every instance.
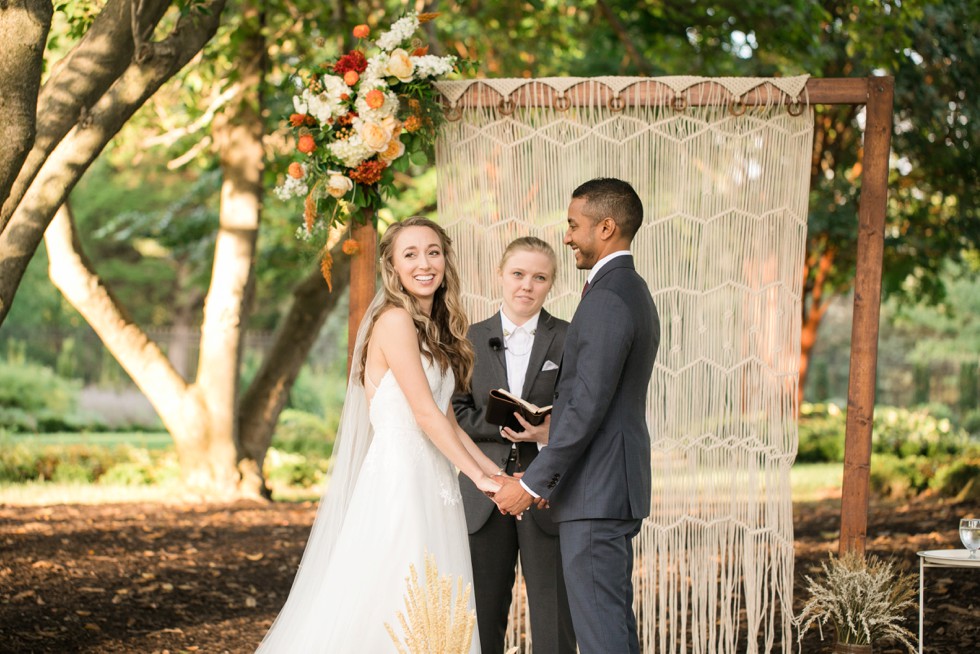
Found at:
(487, 485)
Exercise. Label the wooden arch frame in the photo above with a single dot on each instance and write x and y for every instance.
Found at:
(877, 94)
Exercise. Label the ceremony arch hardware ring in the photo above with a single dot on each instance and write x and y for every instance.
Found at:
(561, 103)
(678, 103)
(616, 103)
(453, 113)
(794, 107)
(506, 106)
(738, 107)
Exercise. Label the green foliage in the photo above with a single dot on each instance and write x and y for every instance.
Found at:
(299, 432)
(23, 461)
(960, 478)
(971, 423)
(293, 469)
(34, 398)
(821, 430)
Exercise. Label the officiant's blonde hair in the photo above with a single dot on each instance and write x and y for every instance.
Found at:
(529, 244)
(442, 333)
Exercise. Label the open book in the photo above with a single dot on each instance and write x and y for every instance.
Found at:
(501, 406)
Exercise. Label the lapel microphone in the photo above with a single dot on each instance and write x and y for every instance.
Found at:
(496, 344)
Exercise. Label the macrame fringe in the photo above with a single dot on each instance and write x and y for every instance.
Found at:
(724, 187)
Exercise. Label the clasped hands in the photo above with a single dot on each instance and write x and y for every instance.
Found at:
(512, 498)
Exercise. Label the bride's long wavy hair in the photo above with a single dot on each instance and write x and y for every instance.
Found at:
(441, 335)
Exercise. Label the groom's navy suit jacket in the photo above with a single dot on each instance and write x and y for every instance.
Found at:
(597, 463)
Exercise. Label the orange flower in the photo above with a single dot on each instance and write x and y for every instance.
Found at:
(425, 18)
(368, 172)
(375, 98)
(420, 52)
(412, 124)
(296, 170)
(306, 144)
(345, 97)
(350, 247)
(297, 120)
(351, 77)
(361, 31)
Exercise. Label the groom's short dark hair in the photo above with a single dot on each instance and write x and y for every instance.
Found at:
(613, 198)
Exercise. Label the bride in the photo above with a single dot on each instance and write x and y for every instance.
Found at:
(393, 495)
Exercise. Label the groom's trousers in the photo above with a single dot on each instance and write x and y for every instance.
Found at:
(597, 556)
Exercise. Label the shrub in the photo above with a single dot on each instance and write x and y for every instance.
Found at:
(821, 433)
(303, 433)
(899, 478)
(958, 477)
(33, 398)
(293, 469)
(971, 423)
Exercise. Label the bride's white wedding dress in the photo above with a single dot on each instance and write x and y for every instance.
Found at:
(404, 502)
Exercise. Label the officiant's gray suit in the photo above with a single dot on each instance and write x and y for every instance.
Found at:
(496, 539)
(595, 471)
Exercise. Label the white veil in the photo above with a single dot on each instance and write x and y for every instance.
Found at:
(298, 628)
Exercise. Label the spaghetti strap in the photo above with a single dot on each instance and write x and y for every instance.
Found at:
(374, 387)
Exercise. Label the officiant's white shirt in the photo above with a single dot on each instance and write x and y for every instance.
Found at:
(518, 341)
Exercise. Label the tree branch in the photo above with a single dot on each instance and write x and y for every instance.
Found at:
(83, 143)
(77, 81)
(72, 274)
(624, 37)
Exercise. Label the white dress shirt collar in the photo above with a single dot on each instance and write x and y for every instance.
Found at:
(603, 261)
(530, 326)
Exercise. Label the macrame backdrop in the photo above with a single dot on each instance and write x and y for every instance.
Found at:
(724, 187)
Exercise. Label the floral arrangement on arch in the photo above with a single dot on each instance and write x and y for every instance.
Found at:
(358, 120)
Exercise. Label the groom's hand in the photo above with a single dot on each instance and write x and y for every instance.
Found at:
(511, 498)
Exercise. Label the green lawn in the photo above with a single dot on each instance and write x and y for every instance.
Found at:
(148, 440)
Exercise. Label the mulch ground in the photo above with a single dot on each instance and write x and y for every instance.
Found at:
(210, 578)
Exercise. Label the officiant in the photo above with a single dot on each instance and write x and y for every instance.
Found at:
(517, 349)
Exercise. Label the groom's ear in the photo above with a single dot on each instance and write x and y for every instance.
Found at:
(608, 228)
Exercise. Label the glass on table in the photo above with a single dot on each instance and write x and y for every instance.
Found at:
(970, 535)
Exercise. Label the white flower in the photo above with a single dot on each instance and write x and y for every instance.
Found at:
(375, 72)
(326, 104)
(433, 66)
(292, 188)
(388, 108)
(350, 152)
(339, 185)
(400, 65)
(400, 32)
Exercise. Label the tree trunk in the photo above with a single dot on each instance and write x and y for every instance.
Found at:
(237, 131)
(70, 158)
(24, 29)
(267, 394)
(813, 314)
(179, 405)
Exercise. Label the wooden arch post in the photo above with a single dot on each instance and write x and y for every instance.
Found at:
(877, 94)
(363, 274)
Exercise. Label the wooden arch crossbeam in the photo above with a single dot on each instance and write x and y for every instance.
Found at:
(877, 94)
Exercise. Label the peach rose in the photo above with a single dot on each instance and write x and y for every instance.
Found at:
(339, 185)
(375, 98)
(394, 150)
(351, 77)
(375, 135)
(296, 170)
(361, 31)
(400, 65)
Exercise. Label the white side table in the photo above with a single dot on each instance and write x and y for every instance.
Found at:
(940, 559)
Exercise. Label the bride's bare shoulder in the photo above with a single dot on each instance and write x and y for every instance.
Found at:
(394, 325)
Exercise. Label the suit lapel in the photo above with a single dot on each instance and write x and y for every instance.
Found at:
(495, 330)
(539, 350)
(623, 261)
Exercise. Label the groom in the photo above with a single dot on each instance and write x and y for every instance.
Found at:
(595, 472)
